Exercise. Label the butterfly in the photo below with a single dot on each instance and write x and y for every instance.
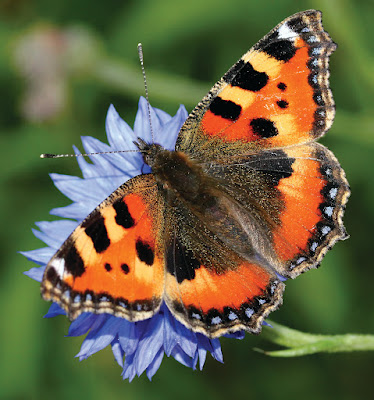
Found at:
(246, 199)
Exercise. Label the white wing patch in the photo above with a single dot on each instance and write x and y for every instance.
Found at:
(285, 32)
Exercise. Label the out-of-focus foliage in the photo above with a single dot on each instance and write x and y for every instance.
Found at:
(61, 65)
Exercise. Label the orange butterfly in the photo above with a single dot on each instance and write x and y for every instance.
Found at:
(246, 197)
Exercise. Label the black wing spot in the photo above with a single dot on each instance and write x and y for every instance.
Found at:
(98, 234)
(52, 276)
(73, 262)
(108, 267)
(123, 216)
(225, 108)
(181, 262)
(282, 103)
(274, 168)
(282, 86)
(280, 49)
(145, 252)
(230, 74)
(263, 127)
(125, 269)
(250, 79)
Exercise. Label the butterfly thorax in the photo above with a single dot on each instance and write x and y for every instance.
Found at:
(177, 174)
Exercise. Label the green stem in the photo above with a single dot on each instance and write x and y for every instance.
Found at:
(301, 343)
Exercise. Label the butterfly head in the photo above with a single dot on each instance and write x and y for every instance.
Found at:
(149, 151)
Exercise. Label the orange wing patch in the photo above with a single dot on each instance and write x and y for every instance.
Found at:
(213, 303)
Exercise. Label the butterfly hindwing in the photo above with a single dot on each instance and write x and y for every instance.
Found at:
(299, 193)
(113, 261)
(314, 201)
(216, 299)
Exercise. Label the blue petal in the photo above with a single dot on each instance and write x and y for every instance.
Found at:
(202, 357)
(169, 133)
(129, 335)
(211, 345)
(155, 364)
(54, 310)
(217, 351)
(39, 256)
(149, 344)
(100, 337)
(51, 242)
(91, 337)
(129, 371)
(77, 211)
(87, 168)
(182, 357)
(57, 229)
(121, 137)
(236, 335)
(118, 352)
(82, 324)
(171, 338)
(187, 339)
(142, 125)
(75, 188)
(35, 273)
(162, 116)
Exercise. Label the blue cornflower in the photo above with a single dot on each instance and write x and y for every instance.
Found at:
(143, 343)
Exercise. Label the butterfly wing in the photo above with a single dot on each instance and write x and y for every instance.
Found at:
(299, 192)
(113, 262)
(219, 297)
(276, 95)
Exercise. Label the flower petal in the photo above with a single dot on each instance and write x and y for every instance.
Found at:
(56, 229)
(155, 364)
(38, 256)
(142, 127)
(54, 310)
(149, 345)
(166, 135)
(35, 273)
(118, 351)
(75, 210)
(101, 337)
(82, 324)
(182, 357)
(129, 334)
(129, 371)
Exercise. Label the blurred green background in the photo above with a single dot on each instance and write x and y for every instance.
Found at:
(61, 65)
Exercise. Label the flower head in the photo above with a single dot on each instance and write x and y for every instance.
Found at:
(137, 346)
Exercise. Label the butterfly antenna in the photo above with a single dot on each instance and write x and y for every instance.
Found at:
(48, 155)
(141, 59)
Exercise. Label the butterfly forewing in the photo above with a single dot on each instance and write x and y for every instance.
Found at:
(113, 262)
(276, 95)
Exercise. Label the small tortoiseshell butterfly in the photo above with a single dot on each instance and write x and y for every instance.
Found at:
(246, 198)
